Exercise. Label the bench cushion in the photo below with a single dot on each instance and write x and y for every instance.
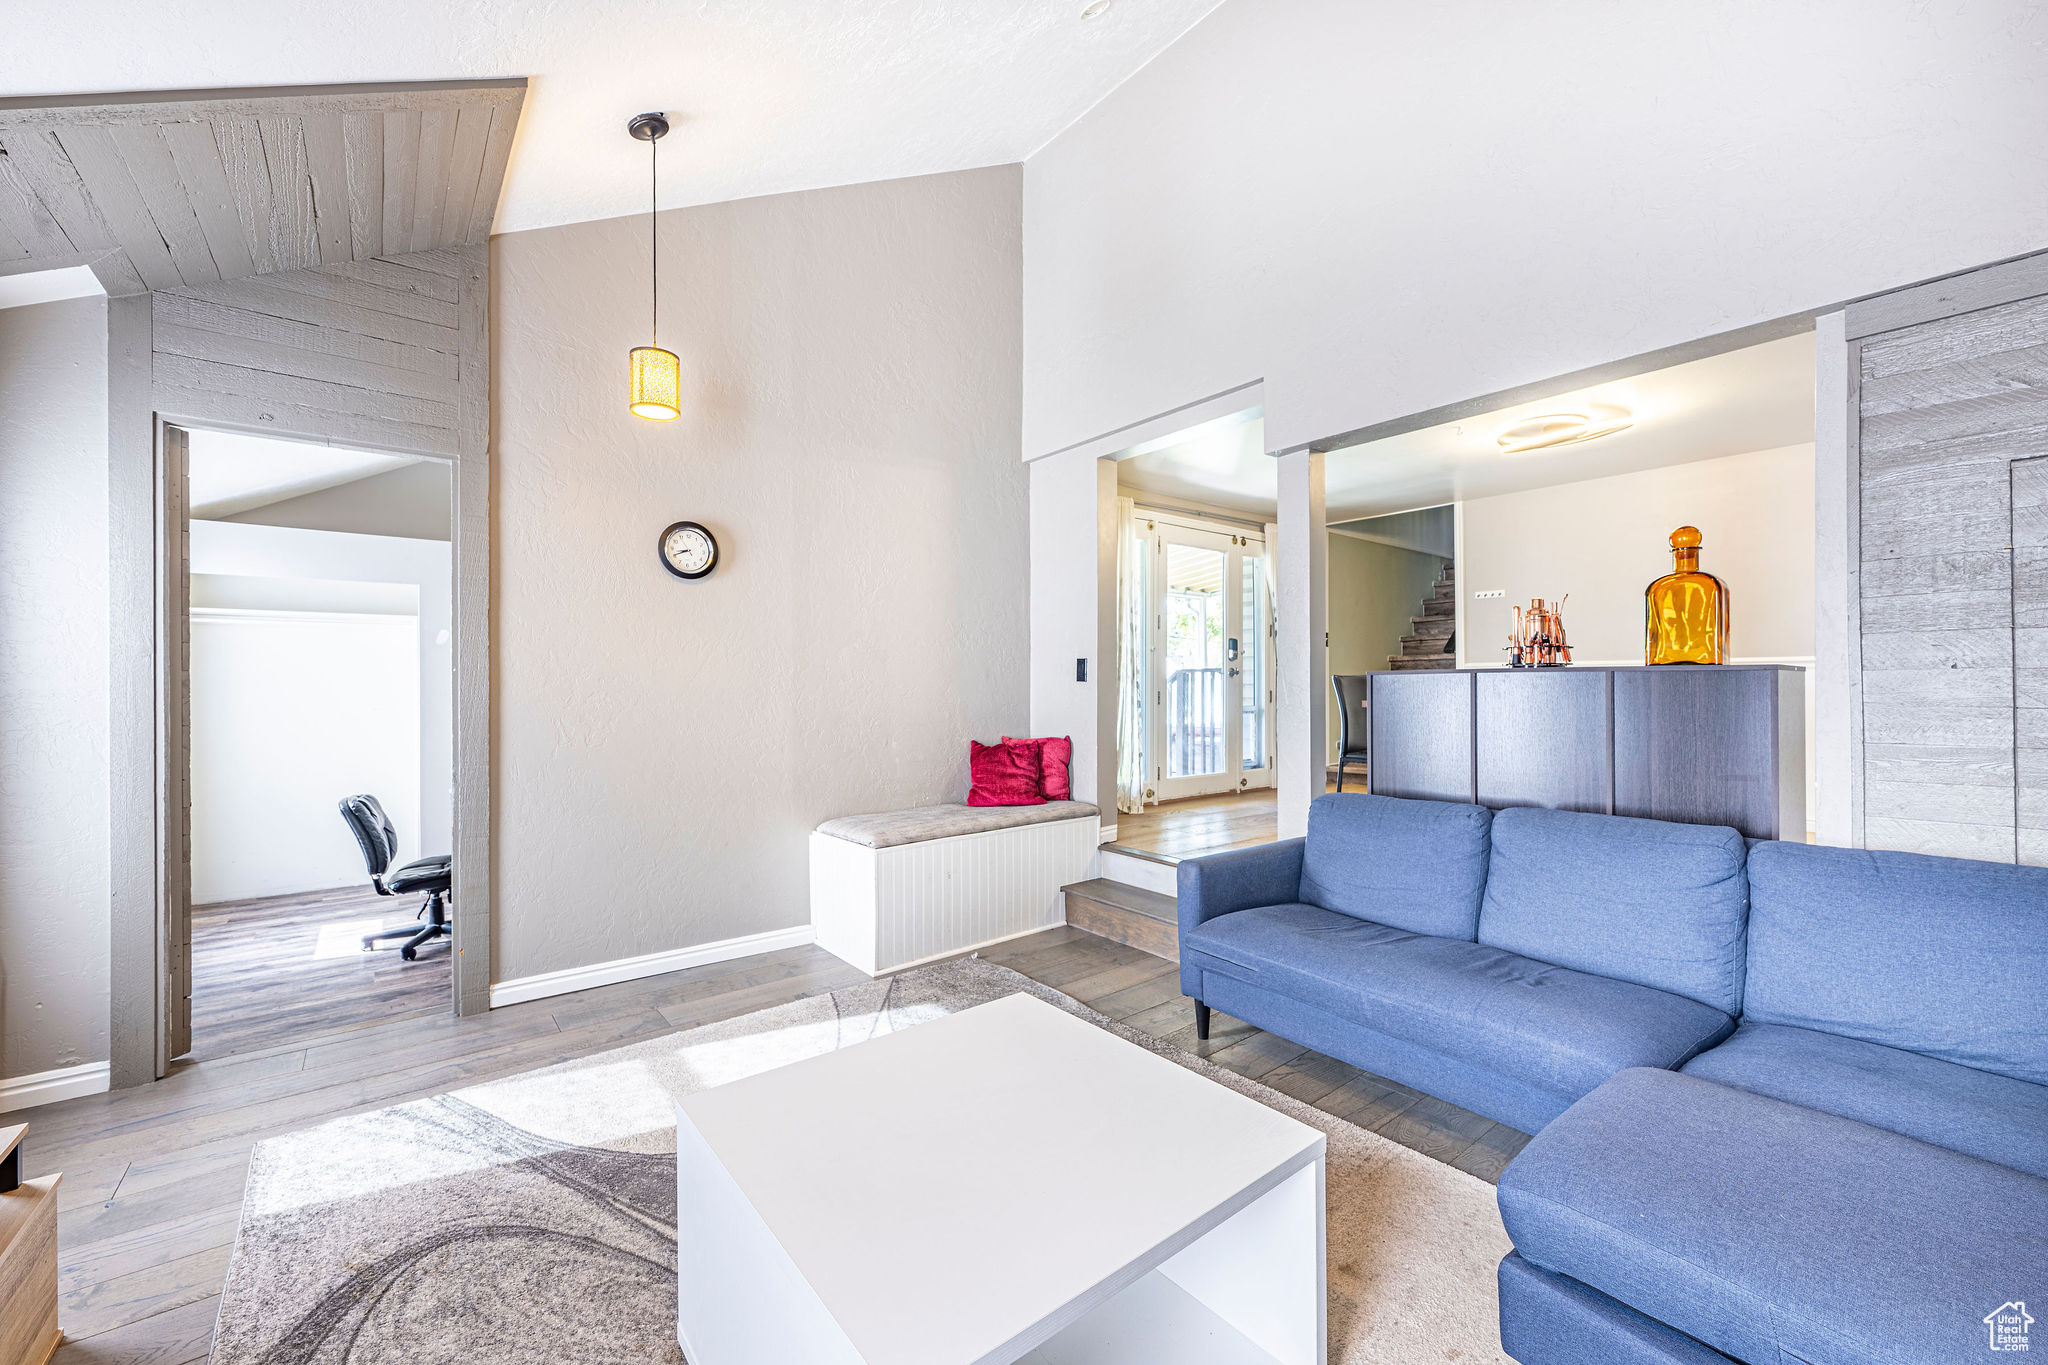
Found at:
(890, 828)
(1958, 1107)
(1416, 865)
(1562, 1030)
(1648, 901)
(1942, 956)
(1773, 1232)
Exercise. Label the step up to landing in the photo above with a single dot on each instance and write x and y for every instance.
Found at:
(1126, 914)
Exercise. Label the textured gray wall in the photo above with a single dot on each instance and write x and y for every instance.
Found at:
(1375, 591)
(851, 375)
(53, 686)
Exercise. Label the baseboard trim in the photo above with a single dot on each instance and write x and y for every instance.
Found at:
(522, 989)
(48, 1087)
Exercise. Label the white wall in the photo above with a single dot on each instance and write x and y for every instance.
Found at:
(53, 686)
(291, 711)
(414, 501)
(1374, 210)
(1604, 540)
(850, 378)
(301, 561)
(1073, 604)
(1381, 208)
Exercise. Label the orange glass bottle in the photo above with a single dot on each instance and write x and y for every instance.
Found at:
(1685, 613)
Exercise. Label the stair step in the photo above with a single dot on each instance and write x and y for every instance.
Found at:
(1421, 647)
(1410, 664)
(1433, 607)
(1433, 627)
(1125, 914)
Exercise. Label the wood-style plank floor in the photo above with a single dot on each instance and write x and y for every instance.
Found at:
(267, 971)
(153, 1176)
(1172, 830)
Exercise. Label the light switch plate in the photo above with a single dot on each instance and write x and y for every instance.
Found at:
(1491, 592)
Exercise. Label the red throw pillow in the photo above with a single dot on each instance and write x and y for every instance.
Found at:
(1003, 775)
(1054, 758)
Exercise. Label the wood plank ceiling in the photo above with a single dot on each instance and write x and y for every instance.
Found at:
(179, 189)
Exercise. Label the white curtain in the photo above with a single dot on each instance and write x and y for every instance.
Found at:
(1130, 659)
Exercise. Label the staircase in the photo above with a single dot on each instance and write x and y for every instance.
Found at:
(1145, 920)
(1422, 648)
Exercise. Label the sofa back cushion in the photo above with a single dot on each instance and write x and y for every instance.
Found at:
(1942, 956)
(1414, 865)
(1648, 901)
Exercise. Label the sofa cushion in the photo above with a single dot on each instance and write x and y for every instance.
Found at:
(1773, 1232)
(1416, 865)
(1958, 1107)
(1648, 901)
(1562, 1030)
(1943, 956)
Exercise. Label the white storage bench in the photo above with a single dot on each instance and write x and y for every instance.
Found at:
(892, 890)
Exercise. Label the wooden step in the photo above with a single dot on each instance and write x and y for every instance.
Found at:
(1423, 647)
(1131, 915)
(1433, 627)
(1436, 663)
(1433, 607)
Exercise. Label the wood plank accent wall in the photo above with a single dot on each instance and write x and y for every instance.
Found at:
(2030, 656)
(182, 188)
(390, 354)
(359, 353)
(1952, 417)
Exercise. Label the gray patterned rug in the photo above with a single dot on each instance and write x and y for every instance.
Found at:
(532, 1220)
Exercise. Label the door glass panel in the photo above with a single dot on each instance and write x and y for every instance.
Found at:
(1194, 660)
(1254, 653)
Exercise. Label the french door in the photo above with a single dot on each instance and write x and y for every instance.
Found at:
(1210, 673)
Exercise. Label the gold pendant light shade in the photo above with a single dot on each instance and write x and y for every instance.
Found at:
(657, 384)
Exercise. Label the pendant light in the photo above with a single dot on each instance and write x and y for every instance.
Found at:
(657, 374)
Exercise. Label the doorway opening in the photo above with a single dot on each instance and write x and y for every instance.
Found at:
(318, 633)
(1198, 621)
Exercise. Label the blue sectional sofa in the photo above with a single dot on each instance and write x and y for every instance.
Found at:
(1791, 1103)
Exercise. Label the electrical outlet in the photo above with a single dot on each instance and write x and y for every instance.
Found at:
(1491, 592)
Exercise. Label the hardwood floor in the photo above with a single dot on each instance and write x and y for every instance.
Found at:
(1173, 830)
(267, 971)
(1200, 824)
(153, 1176)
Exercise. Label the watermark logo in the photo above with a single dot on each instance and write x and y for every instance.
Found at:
(2008, 1324)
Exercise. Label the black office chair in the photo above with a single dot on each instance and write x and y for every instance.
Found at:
(379, 842)
(1352, 730)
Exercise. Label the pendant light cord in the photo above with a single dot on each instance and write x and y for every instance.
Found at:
(654, 236)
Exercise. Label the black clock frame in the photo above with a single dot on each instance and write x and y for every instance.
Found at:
(661, 548)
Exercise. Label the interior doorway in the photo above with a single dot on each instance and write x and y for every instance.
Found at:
(318, 695)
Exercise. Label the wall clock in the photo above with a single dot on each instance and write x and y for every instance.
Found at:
(688, 550)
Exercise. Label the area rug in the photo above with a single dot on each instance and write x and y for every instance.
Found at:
(532, 1220)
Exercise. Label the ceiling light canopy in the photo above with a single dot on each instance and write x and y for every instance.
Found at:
(1561, 429)
(657, 376)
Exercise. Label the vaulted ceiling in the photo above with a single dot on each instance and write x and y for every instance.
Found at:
(175, 190)
(766, 95)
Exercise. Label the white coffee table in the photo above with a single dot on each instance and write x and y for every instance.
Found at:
(1003, 1184)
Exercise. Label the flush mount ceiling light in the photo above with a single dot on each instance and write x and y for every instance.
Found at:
(1096, 9)
(657, 391)
(1561, 429)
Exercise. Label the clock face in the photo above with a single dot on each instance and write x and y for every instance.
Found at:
(688, 551)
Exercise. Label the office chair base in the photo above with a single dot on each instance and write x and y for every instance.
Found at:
(434, 909)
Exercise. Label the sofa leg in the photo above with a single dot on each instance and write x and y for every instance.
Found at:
(1201, 1021)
